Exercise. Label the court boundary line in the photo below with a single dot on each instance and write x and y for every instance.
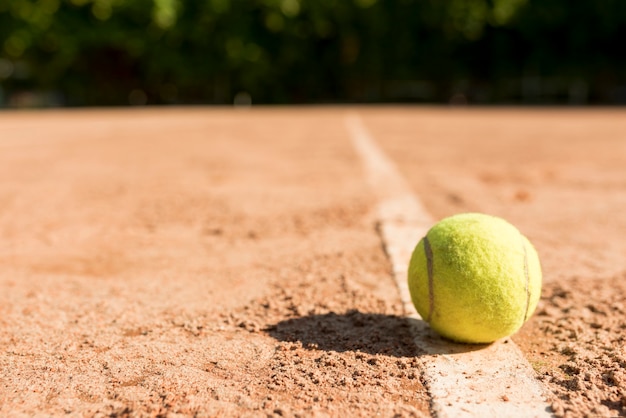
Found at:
(462, 380)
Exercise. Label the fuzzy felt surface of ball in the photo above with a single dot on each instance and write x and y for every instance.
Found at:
(475, 278)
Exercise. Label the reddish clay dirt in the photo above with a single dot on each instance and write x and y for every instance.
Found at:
(194, 263)
(207, 262)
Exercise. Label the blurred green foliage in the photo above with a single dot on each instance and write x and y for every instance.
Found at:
(109, 52)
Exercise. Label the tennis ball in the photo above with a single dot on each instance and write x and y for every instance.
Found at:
(474, 278)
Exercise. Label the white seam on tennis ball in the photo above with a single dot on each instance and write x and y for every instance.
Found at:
(429, 269)
(527, 278)
(462, 380)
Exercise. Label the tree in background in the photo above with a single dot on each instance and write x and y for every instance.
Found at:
(110, 52)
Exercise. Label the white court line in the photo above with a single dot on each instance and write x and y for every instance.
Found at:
(462, 380)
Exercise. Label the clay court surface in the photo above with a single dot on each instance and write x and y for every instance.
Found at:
(227, 262)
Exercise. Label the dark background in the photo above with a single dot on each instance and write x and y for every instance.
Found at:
(121, 52)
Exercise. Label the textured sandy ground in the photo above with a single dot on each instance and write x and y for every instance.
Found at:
(226, 263)
(194, 262)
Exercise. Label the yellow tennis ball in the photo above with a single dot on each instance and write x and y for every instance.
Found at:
(475, 278)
